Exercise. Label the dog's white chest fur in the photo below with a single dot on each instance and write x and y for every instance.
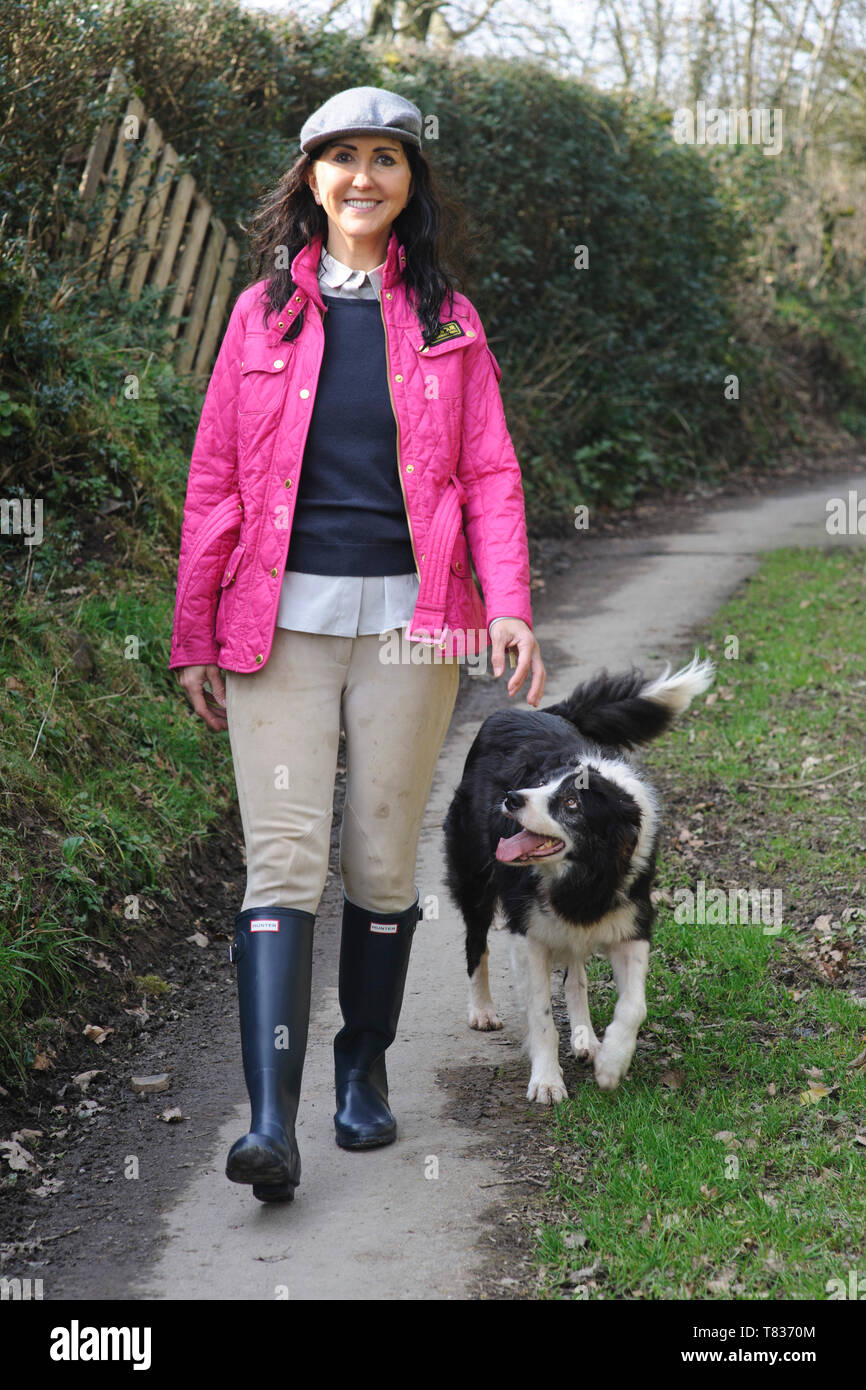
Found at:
(567, 942)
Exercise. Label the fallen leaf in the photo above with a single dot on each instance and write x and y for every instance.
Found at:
(97, 1034)
(47, 1187)
(41, 1062)
(573, 1240)
(87, 1108)
(814, 1095)
(198, 938)
(171, 1116)
(101, 963)
(20, 1160)
(84, 1078)
(672, 1079)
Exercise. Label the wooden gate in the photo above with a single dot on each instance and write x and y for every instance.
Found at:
(154, 228)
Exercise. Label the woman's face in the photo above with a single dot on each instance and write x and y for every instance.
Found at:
(364, 182)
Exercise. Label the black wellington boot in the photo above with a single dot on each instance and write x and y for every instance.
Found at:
(374, 959)
(273, 949)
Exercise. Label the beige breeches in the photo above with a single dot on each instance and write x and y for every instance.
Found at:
(284, 728)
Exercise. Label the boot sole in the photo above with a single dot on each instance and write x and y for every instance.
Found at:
(259, 1165)
(346, 1141)
(286, 1193)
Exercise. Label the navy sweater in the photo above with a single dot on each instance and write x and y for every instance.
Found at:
(349, 515)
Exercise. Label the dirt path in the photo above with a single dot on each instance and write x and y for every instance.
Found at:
(436, 1215)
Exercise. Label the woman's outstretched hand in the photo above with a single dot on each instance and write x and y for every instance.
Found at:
(515, 632)
(210, 704)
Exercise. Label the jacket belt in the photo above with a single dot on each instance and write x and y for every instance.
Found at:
(429, 616)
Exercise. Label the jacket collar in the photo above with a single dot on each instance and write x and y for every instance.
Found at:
(305, 271)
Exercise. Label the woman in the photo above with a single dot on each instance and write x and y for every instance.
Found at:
(317, 589)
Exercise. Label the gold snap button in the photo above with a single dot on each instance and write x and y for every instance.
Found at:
(288, 482)
(410, 468)
(398, 377)
(242, 361)
(279, 362)
(273, 574)
(259, 658)
(297, 298)
(459, 565)
(303, 393)
(470, 333)
(281, 324)
(388, 294)
(423, 557)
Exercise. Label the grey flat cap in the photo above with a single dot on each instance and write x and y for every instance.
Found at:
(362, 111)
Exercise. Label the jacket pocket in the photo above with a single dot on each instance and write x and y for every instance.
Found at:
(231, 568)
(462, 588)
(455, 344)
(460, 557)
(227, 597)
(264, 368)
(223, 517)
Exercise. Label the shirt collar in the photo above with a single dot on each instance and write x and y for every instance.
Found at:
(336, 275)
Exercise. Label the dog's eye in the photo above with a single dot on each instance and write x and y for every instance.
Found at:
(571, 803)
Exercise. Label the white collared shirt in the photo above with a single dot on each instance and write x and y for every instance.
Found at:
(347, 605)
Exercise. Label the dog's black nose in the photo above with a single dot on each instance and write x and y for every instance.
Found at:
(513, 801)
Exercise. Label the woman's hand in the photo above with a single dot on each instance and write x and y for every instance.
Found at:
(211, 706)
(515, 632)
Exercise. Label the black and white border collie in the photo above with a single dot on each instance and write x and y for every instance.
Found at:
(576, 877)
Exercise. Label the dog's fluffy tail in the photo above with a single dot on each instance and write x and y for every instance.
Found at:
(626, 709)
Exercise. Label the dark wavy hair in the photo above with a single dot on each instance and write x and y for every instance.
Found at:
(431, 228)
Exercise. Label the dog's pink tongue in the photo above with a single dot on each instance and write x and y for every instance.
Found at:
(522, 843)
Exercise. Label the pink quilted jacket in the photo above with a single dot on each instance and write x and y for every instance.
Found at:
(460, 477)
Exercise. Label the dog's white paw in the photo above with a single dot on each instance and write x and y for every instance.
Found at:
(485, 1018)
(584, 1043)
(611, 1065)
(546, 1090)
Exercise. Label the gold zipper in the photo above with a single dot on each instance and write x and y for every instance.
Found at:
(397, 422)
